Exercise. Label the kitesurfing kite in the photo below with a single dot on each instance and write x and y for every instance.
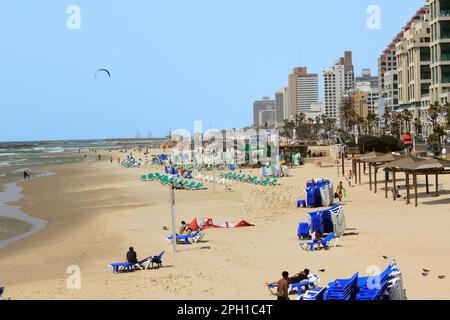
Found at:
(103, 70)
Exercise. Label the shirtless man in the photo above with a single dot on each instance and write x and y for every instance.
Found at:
(283, 285)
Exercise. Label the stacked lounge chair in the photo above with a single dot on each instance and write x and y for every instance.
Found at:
(2, 290)
(386, 286)
(253, 180)
(178, 183)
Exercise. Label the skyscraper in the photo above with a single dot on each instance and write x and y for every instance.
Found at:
(264, 111)
(338, 80)
(366, 76)
(303, 91)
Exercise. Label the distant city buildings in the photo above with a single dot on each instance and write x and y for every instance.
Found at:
(303, 91)
(366, 76)
(338, 80)
(264, 112)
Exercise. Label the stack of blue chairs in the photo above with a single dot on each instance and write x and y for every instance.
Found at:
(373, 288)
(342, 289)
(313, 195)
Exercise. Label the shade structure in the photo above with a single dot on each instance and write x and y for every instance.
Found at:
(385, 158)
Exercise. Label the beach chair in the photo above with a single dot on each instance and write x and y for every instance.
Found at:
(315, 294)
(151, 177)
(150, 261)
(312, 282)
(324, 243)
(342, 289)
(303, 230)
(2, 290)
(143, 178)
(187, 239)
(117, 267)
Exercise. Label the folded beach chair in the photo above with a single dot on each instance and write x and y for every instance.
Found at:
(151, 177)
(150, 261)
(324, 243)
(143, 178)
(187, 239)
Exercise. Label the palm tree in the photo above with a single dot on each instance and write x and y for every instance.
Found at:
(417, 126)
(361, 125)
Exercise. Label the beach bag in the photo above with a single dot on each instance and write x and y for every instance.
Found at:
(336, 195)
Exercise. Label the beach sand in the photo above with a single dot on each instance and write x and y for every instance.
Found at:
(97, 210)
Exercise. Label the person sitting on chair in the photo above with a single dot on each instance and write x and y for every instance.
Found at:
(132, 256)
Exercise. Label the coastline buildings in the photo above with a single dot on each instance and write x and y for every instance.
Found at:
(366, 76)
(264, 111)
(303, 91)
(338, 80)
(282, 105)
(440, 50)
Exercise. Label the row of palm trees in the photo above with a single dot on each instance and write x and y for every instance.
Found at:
(392, 123)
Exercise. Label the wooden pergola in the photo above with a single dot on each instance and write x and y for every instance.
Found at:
(376, 163)
(414, 166)
(356, 164)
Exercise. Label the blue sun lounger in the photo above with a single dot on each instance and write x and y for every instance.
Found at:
(117, 266)
(187, 239)
(312, 245)
(342, 289)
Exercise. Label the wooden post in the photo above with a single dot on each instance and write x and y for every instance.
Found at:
(408, 198)
(437, 185)
(386, 184)
(359, 172)
(394, 181)
(370, 176)
(376, 173)
(415, 188)
(343, 161)
(426, 182)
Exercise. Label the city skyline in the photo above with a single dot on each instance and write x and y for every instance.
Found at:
(49, 80)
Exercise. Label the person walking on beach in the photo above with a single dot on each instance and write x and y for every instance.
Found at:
(111, 160)
(283, 284)
(350, 178)
(339, 191)
(25, 175)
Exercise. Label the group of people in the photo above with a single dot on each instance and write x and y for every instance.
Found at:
(285, 281)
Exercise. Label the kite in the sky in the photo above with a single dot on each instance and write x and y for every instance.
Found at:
(103, 70)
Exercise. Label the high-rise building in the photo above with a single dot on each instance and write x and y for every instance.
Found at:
(303, 91)
(281, 105)
(440, 50)
(387, 67)
(338, 80)
(413, 62)
(366, 76)
(266, 104)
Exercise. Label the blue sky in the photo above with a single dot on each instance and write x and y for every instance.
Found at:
(172, 61)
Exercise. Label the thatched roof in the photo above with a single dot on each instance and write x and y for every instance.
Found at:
(413, 163)
(370, 155)
(386, 158)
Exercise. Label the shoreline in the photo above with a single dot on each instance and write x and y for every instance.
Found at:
(17, 223)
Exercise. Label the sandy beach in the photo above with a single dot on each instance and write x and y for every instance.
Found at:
(96, 210)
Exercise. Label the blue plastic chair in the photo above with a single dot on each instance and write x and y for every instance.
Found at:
(301, 204)
(342, 289)
(311, 245)
(303, 230)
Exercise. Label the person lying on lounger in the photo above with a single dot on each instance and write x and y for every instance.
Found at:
(298, 277)
(184, 229)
